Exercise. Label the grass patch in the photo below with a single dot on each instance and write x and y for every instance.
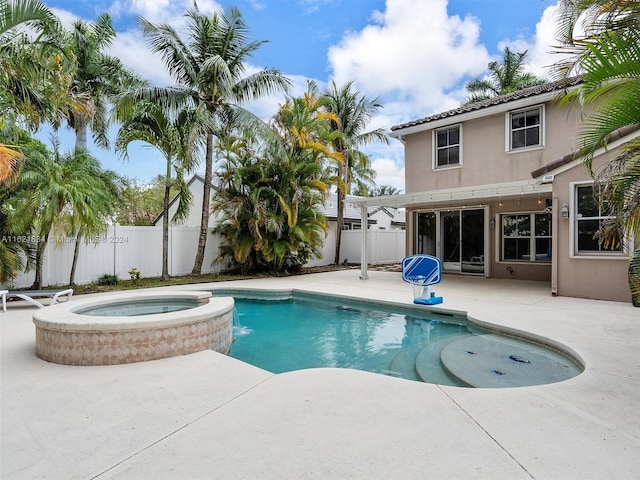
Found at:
(150, 282)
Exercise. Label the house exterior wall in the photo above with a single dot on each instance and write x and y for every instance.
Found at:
(484, 159)
(383, 220)
(601, 277)
(193, 218)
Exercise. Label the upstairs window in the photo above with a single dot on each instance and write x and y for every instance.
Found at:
(588, 217)
(448, 147)
(525, 128)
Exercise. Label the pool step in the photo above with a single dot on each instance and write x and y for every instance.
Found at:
(405, 363)
(494, 361)
(428, 366)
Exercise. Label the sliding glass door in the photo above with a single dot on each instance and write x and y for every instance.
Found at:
(450, 240)
(457, 237)
(472, 245)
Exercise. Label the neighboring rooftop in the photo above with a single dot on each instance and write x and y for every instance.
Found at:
(510, 97)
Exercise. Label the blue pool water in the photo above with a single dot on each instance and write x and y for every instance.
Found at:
(294, 333)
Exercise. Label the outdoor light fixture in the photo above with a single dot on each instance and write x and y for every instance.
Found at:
(539, 200)
(564, 211)
(500, 202)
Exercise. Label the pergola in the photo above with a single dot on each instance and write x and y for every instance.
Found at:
(445, 197)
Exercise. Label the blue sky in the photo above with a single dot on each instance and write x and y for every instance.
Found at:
(415, 56)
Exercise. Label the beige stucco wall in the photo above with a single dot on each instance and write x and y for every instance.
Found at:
(603, 278)
(484, 158)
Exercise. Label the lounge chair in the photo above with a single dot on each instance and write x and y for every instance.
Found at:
(31, 295)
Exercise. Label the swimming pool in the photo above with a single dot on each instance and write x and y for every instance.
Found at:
(287, 332)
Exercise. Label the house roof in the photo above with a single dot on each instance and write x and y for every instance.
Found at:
(193, 179)
(351, 212)
(397, 216)
(526, 93)
(575, 155)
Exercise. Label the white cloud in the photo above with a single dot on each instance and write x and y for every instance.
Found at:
(389, 172)
(542, 47)
(167, 11)
(132, 50)
(412, 52)
(66, 18)
(414, 57)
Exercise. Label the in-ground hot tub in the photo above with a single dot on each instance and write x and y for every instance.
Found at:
(133, 327)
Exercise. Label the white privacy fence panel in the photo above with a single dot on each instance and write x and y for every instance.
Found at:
(384, 246)
(121, 248)
(328, 249)
(183, 242)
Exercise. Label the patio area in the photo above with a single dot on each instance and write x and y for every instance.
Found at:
(206, 415)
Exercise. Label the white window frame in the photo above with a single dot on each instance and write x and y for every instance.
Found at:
(532, 238)
(573, 229)
(507, 129)
(434, 150)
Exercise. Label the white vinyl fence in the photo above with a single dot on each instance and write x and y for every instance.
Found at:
(119, 250)
(384, 246)
(122, 248)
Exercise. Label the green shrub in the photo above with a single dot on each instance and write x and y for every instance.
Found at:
(134, 273)
(107, 279)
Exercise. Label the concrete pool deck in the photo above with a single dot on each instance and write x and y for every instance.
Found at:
(206, 415)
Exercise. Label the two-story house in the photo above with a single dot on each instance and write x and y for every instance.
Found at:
(495, 188)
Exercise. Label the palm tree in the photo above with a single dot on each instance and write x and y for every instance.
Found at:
(9, 158)
(209, 67)
(90, 214)
(353, 111)
(270, 189)
(16, 249)
(51, 193)
(26, 59)
(179, 140)
(607, 56)
(97, 78)
(377, 191)
(505, 77)
(17, 13)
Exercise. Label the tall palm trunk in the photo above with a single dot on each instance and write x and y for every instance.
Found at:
(74, 263)
(81, 130)
(340, 195)
(206, 200)
(42, 244)
(634, 277)
(165, 223)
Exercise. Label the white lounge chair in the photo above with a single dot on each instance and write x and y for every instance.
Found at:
(31, 295)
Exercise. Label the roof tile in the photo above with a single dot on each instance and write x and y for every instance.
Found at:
(470, 107)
